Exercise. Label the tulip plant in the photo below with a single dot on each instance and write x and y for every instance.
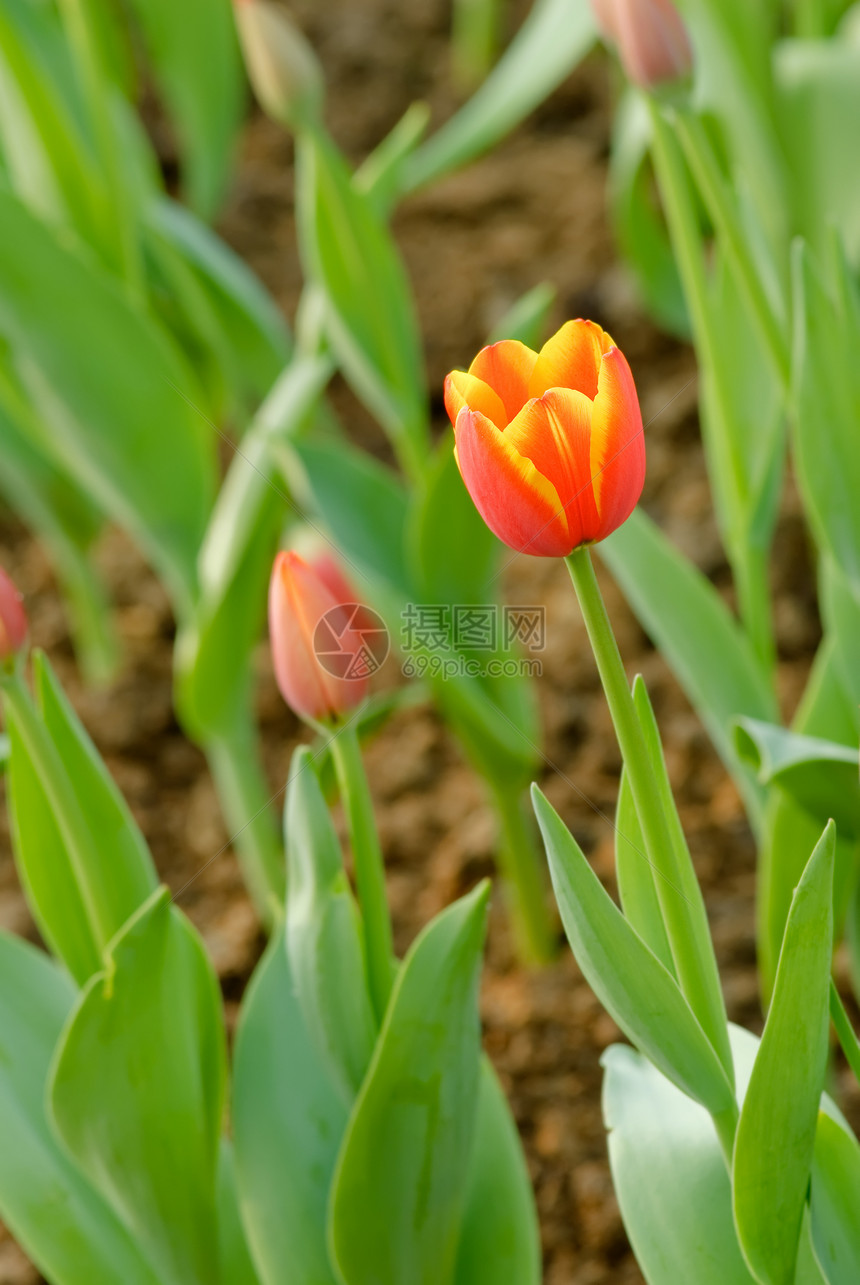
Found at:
(360, 1137)
(730, 1163)
(177, 345)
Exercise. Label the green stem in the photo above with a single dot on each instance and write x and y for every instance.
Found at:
(844, 1030)
(702, 159)
(683, 925)
(749, 567)
(238, 775)
(369, 866)
(522, 873)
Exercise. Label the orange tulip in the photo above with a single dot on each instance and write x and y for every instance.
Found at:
(13, 618)
(549, 444)
(299, 600)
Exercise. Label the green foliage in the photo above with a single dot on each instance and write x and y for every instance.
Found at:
(776, 1132)
(628, 979)
(137, 1088)
(400, 1186)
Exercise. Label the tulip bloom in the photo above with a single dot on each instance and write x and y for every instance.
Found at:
(549, 444)
(299, 598)
(13, 618)
(650, 37)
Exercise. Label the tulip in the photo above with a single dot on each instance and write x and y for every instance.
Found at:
(650, 37)
(282, 67)
(299, 598)
(549, 444)
(13, 619)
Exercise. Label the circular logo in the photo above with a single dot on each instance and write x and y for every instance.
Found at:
(351, 641)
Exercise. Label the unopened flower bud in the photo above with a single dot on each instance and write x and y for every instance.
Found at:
(282, 67)
(650, 38)
(13, 618)
(309, 624)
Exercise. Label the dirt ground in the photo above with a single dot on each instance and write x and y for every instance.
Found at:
(532, 211)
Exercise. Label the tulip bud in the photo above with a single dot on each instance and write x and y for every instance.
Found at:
(307, 621)
(650, 37)
(281, 65)
(13, 619)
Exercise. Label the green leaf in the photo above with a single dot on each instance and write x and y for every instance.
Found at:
(254, 337)
(63, 1225)
(818, 97)
(236, 558)
(197, 67)
(776, 1132)
(288, 1120)
(669, 1177)
(114, 391)
(234, 1256)
(453, 552)
(120, 862)
(364, 505)
(822, 776)
(635, 876)
(639, 227)
(398, 1194)
(500, 1239)
(835, 1202)
(686, 618)
(325, 940)
(554, 38)
(826, 396)
(137, 1089)
(628, 979)
(370, 317)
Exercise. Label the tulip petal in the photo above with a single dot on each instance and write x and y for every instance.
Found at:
(463, 389)
(516, 501)
(617, 444)
(506, 367)
(554, 432)
(571, 359)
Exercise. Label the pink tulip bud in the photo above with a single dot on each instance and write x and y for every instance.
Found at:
(315, 650)
(282, 67)
(650, 37)
(13, 618)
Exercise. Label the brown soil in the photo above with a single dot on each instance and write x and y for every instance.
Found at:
(532, 211)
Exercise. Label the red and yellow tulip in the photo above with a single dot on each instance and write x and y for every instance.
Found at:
(549, 444)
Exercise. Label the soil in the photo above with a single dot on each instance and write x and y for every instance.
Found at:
(534, 210)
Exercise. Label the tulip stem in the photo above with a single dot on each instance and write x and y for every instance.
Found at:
(522, 871)
(685, 917)
(369, 865)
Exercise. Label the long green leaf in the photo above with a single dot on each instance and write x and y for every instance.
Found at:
(370, 316)
(776, 1132)
(114, 390)
(627, 978)
(635, 876)
(835, 1202)
(288, 1120)
(398, 1195)
(197, 66)
(689, 622)
(137, 1089)
(820, 775)
(669, 1177)
(556, 35)
(500, 1239)
(64, 1226)
(325, 941)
